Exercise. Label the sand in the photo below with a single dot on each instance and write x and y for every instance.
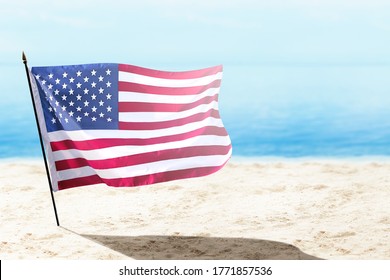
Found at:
(264, 209)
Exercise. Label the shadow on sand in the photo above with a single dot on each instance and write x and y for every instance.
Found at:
(199, 248)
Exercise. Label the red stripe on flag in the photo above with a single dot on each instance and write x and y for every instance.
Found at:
(170, 75)
(143, 158)
(191, 90)
(166, 124)
(139, 180)
(95, 144)
(163, 107)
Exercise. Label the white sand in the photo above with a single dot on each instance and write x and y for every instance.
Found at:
(266, 210)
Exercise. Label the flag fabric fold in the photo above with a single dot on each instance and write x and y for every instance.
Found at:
(125, 126)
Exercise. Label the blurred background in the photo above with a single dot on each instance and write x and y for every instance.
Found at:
(302, 78)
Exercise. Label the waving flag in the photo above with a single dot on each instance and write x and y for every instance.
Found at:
(123, 125)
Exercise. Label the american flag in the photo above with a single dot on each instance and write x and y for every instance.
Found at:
(124, 125)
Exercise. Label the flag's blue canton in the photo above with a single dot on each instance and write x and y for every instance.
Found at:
(79, 96)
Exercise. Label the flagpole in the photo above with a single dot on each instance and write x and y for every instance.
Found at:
(40, 137)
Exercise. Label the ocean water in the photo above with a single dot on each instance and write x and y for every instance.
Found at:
(268, 110)
(305, 111)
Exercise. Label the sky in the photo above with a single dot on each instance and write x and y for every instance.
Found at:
(185, 35)
(196, 31)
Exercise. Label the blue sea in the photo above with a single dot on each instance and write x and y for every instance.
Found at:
(269, 111)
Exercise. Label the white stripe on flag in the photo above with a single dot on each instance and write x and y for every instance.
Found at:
(81, 135)
(125, 96)
(122, 151)
(160, 82)
(147, 168)
(165, 116)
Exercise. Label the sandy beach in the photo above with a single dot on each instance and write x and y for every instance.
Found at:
(268, 209)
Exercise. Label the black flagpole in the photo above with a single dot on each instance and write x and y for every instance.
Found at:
(40, 137)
